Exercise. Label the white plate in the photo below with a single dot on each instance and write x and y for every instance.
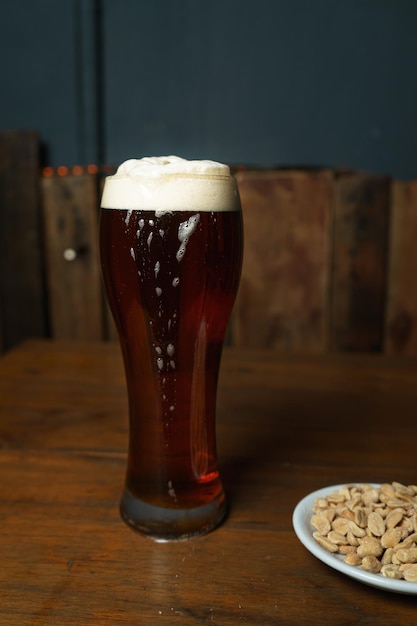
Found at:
(304, 531)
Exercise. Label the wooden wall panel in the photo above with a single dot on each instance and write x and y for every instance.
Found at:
(70, 205)
(401, 305)
(329, 259)
(282, 300)
(22, 289)
(361, 222)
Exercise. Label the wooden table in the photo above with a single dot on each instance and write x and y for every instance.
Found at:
(286, 426)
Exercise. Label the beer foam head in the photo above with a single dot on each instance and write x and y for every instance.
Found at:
(171, 184)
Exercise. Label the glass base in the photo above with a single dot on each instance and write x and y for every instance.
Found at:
(163, 524)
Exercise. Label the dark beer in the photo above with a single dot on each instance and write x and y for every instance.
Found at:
(171, 279)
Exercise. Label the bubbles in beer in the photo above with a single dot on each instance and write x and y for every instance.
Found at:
(151, 256)
(185, 230)
(171, 490)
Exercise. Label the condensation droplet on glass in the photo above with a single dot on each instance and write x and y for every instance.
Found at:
(128, 216)
(170, 349)
(151, 222)
(160, 363)
(158, 349)
(172, 364)
(172, 407)
(149, 240)
(157, 268)
(158, 291)
(161, 232)
(176, 282)
(132, 254)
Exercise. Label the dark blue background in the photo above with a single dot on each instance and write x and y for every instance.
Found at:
(266, 82)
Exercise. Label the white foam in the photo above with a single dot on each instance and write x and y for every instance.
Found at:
(171, 184)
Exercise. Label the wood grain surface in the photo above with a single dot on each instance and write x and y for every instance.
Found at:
(75, 299)
(287, 425)
(22, 286)
(401, 314)
(329, 259)
(282, 301)
(359, 269)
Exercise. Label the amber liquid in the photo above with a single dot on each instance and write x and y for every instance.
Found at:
(171, 281)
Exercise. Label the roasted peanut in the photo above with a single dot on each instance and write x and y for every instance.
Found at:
(372, 527)
(410, 573)
(371, 564)
(376, 524)
(321, 524)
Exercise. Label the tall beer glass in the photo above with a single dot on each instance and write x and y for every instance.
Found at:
(171, 254)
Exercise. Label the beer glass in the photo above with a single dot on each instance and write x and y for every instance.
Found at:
(171, 254)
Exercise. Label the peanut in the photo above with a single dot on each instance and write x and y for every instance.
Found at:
(394, 517)
(392, 571)
(391, 538)
(371, 564)
(410, 573)
(371, 527)
(337, 538)
(369, 546)
(376, 524)
(321, 524)
(324, 542)
(353, 559)
(407, 556)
